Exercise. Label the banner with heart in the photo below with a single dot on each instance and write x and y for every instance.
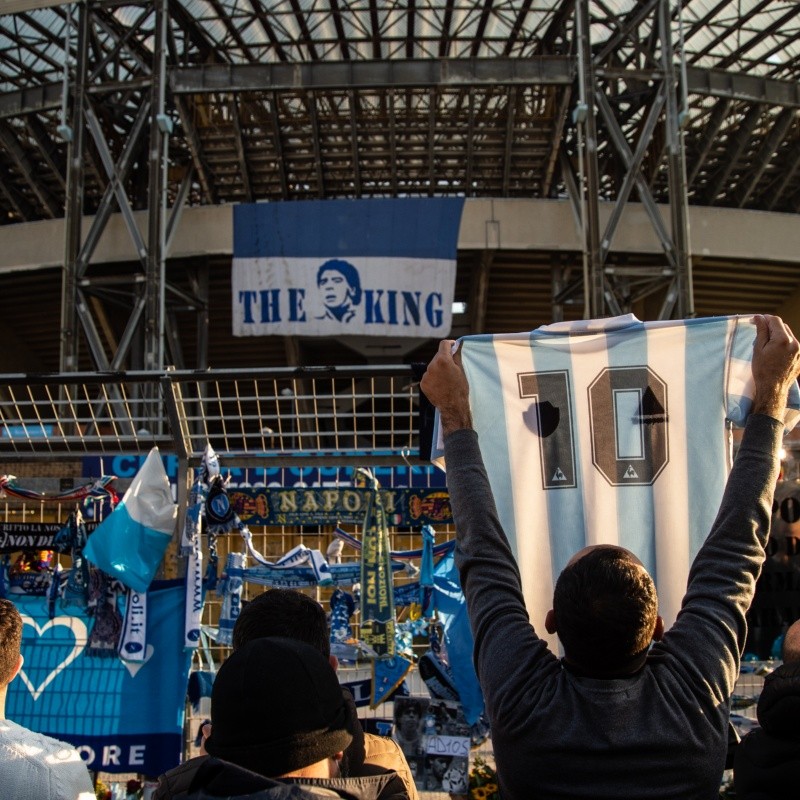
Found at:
(121, 716)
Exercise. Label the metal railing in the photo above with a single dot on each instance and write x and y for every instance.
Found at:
(292, 416)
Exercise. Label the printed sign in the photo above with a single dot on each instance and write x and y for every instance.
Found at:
(338, 505)
(16, 536)
(374, 267)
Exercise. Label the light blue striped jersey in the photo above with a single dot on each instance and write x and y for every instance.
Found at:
(610, 431)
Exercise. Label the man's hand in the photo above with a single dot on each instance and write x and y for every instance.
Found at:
(445, 385)
(206, 732)
(776, 365)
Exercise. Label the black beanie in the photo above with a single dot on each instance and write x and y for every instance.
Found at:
(276, 707)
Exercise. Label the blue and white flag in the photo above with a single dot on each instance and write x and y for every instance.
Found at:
(375, 267)
(130, 542)
(122, 716)
(610, 431)
(451, 611)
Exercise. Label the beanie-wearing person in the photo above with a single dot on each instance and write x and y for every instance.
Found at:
(32, 765)
(279, 728)
(294, 615)
(767, 760)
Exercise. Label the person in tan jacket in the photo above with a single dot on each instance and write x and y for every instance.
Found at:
(294, 615)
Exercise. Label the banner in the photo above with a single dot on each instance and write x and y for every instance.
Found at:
(122, 716)
(414, 476)
(16, 536)
(377, 600)
(337, 505)
(374, 267)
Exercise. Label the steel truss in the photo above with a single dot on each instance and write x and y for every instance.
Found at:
(659, 103)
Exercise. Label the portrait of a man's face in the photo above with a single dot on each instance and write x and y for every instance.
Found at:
(409, 713)
(334, 287)
(339, 290)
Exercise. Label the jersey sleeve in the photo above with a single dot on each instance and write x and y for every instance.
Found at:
(739, 387)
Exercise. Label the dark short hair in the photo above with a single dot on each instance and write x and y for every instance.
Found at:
(10, 640)
(283, 612)
(350, 275)
(605, 608)
(790, 649)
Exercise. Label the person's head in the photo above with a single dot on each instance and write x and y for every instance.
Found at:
(605, 611)
(10, 641)
(408, 720)
(277, 709)
(283, 612)
(439, 765)
(339, 283)
(791, 644)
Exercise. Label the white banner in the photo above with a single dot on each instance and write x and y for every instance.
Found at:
(378, 267)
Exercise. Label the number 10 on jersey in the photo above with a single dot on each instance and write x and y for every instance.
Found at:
(628, 420)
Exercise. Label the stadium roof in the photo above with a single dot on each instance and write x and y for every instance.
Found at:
(303, 99)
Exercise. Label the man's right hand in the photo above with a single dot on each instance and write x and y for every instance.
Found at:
(446, 386)
(776, 365)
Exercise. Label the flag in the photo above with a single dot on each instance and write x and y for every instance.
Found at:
(374, 267)
(130, 543)
(121, 716)
(451, 611)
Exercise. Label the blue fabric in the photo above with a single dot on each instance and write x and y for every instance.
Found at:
(121, 717)
(126, 549)
(389, 227)
(451, 609)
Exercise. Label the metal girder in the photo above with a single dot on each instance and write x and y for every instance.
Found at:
(589, 183)
(9, 141)
(646, 32)
(558, 70)
(30, 100)
(117, 175)
(240, 153)
(145, 332)
(509, 143)
(392, 140)
(354, 104)
(470, 139)
(767, 151)
(48, 149)
(676, 176)
(276, 138)
(710, 131)
(311, 105)
(23, 208)
(155, 266)
(431, 142)
(736, 147)
(196, 149)
(116, 180)
(777, 189)
(372, 74)
(747, 88)
(633, 162)
(177, 209)
(73, 211)
(555, 142)
(479, 291)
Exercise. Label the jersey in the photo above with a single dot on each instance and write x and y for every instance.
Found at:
(610, 431)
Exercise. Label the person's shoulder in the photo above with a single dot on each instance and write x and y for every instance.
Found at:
(386, 753)
(178, 779)
(38, 746)
(379, 746)
(41, 766)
